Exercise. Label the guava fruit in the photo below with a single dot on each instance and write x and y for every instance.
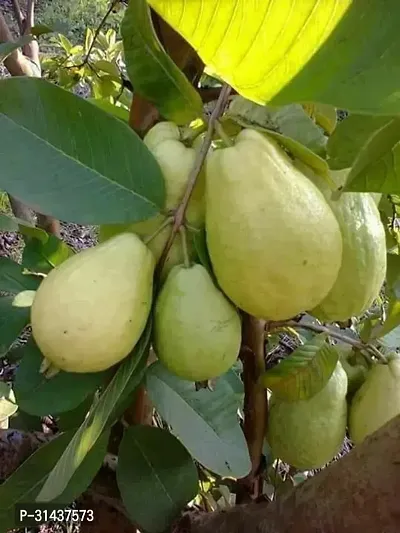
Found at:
(90, 311)
(309, 433)
(274, 243)
(377, 401)
(176, 162)
(197, 331)
(363, 267)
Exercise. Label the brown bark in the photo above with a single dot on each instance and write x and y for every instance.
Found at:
(255, 403)
(360, 492)
(15, 447)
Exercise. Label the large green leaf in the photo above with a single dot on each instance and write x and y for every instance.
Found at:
(14, 279)
(7, 48)
(205, 421)
(95, 423)
(24, 484)
(343, 53)
(291, 121)
(152, 72)
(350, 136)
(13, 319)
(304, 373)
(377, 164)
(156, 477)
(37, 395)
(67, 158)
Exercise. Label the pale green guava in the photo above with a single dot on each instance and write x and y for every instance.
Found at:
(197, 331)
(309, 433)
(274, 243)
(377, 401)
(90, 311)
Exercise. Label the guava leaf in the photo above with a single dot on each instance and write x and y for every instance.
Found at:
(325, 51)
(155, 486)
(350, 136)
(8, 405)
(304, 373)
(43, 251)
(117, 111)
(8, 48)
(37, 395)
(391, 338)
(325, 115)
(95, 423)
(291, 121)
(205, 421)
(393, 274)
(152, 72)
(25, 422)
(8, 223)
(12, 322)
(377, 165)
(13, 278)
(200, 245)
(24, 484)
(67, 158)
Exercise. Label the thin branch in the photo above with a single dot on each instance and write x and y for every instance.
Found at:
(198, 164)
(340, 336)
(18, 15)
(98, 30)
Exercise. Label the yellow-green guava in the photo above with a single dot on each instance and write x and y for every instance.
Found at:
(274, 243)
(197, 331)
(90, 311)
(355, 366)
(377, 401)
(309, 433)
(176, 162)
(363, 267)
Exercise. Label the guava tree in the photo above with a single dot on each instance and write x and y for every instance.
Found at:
(236, 328)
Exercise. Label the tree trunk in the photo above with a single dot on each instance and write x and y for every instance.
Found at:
(360, 492)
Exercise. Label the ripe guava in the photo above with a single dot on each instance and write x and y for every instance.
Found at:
(89, 312)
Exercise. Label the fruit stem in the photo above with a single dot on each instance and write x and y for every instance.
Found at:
(166, 223)
(337, 335)
(222, 133)
(186, 259)
(198, 164)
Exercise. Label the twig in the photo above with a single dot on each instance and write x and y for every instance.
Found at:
(186, 258)
(98, 30)
(198, 164)
(18, 16)
(340, 336)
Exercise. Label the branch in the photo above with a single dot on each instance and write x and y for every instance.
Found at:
(340, 336)
(255, 403)
(16, 63)
(357, 493)
(18, 16)
(198, 164)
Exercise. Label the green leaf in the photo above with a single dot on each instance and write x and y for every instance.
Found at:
(8, 223)
(304, 373)
(43, 29)
(350, 136)
(200, 245)
(117, 111)
(13, 279)
(152, 72)
(155, 486)
(376, 166)
(67, 158)
(25, 422)
(323, 114)
(325, 51)
(13, 319)
(42, 251)
(107, 66)
(205, 421)
(8, 48)
(291, 121)
(74, 418)
(24, 484)
(95, 423)
(7, 401)
(392, 338)
(391, 322)
(37, 395)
